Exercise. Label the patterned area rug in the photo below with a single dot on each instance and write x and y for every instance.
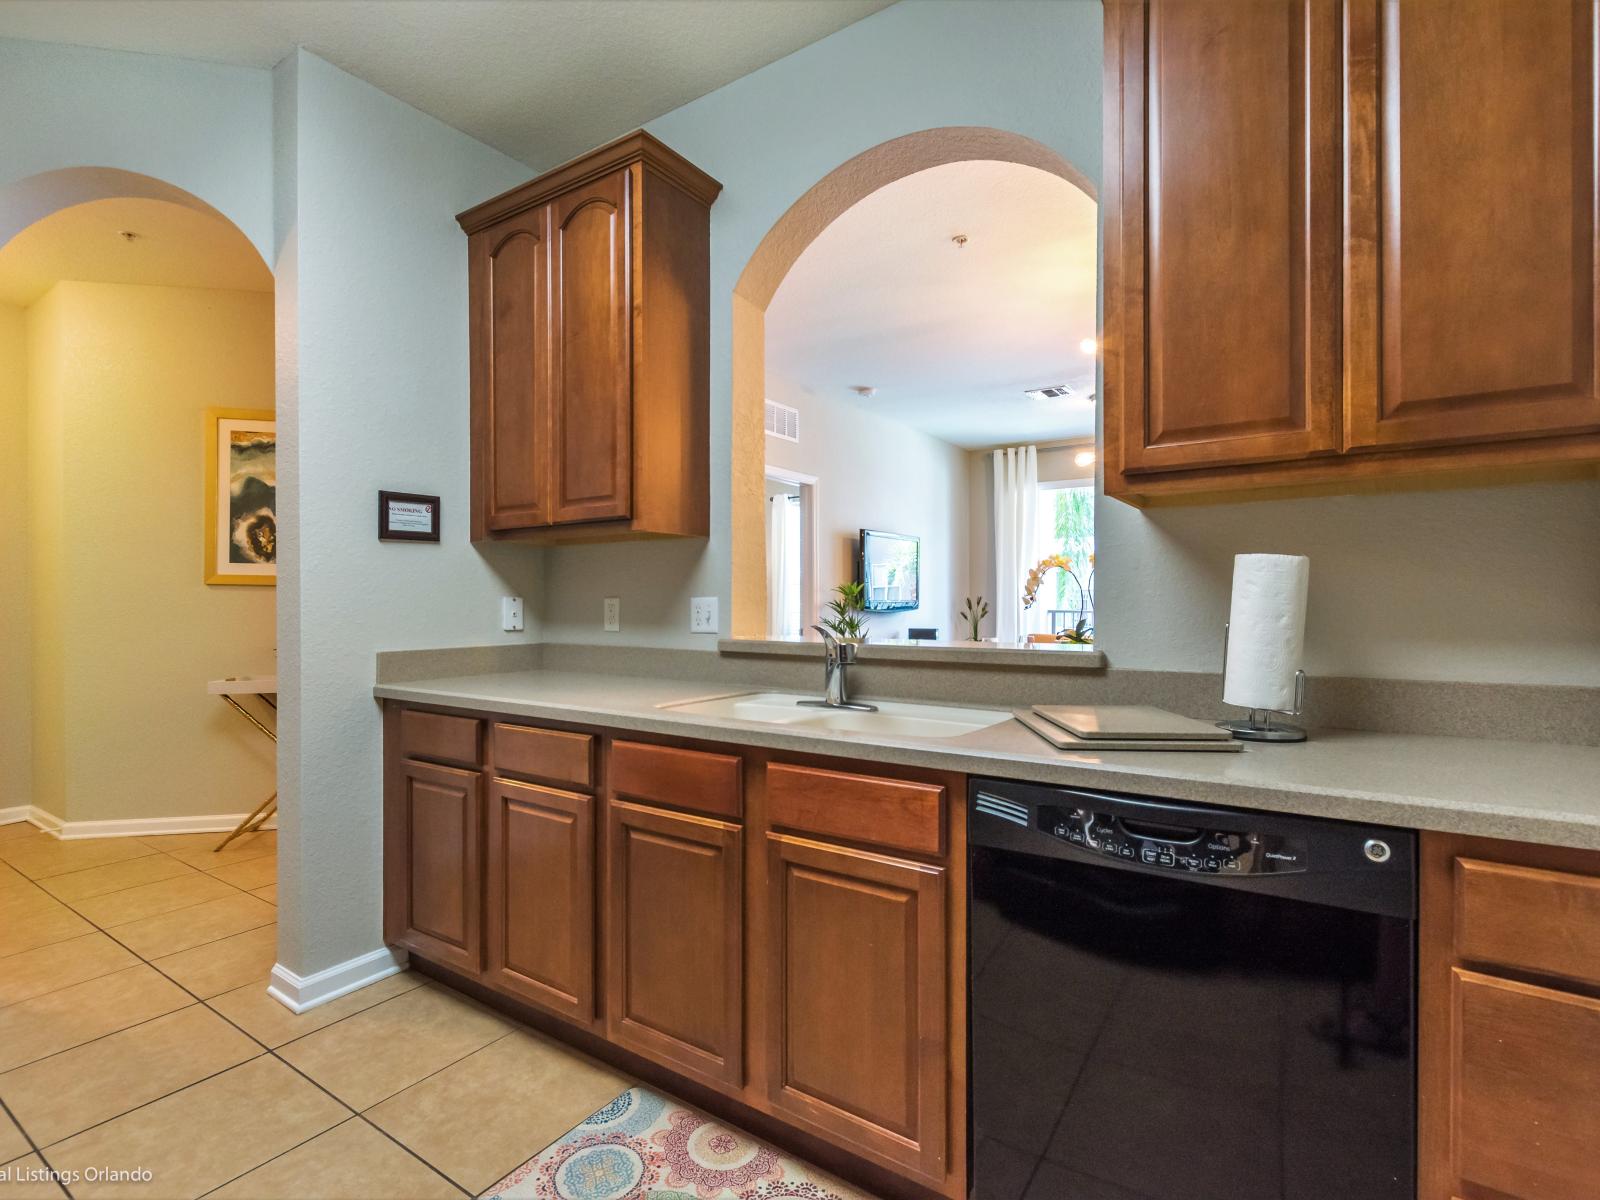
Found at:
(643, 1146)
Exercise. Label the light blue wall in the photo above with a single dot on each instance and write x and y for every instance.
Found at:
(373, 311)
(1025, 67)
(199, 126)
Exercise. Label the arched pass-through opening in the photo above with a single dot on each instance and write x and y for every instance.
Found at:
(758, 284)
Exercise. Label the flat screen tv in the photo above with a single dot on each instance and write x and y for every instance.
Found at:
(890, 570)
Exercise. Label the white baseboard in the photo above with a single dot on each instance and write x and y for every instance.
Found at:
(34, 815)
(69, 831)
(299, 993)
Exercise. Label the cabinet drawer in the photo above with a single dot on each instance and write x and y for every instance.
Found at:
(688, 779)
(441, 738)
(551, 755)
(857, 808)
(1528, 919)
(1525, 1097)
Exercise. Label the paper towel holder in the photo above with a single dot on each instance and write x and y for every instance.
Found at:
(1259, 726)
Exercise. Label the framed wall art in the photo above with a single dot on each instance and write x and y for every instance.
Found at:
(241, 497)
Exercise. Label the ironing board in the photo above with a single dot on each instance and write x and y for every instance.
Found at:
(265, 689)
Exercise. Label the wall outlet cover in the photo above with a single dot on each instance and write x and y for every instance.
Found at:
(511, 614)
(703, 614)
(613, 614)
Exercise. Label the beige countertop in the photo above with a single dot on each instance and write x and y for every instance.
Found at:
(1516, 790)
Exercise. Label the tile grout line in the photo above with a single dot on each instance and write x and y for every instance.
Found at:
(28, 1137)
(269, 1052)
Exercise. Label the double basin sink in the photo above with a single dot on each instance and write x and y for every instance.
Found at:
(892, 718)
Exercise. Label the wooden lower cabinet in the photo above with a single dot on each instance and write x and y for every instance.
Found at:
(1509, 1022)
(540, 930)
(432, 902)
(857, 1036)
(675, 941)
(789, 936)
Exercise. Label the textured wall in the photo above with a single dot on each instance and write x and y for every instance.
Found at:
(372, 339)
(1492, 585)
(16, 629)
(127, 632)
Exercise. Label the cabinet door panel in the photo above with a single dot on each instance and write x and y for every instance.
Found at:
(859, 1044)
(592, 397)
(510, 264)
(675, 978)
(1525, 1100)
(1223, 231)
(433, 847)
(540, 926)
(1480, 197)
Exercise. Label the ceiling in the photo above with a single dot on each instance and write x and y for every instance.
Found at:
(175, 246)
(950, 336)
(541, 80)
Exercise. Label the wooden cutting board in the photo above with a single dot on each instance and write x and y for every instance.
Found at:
(1063, 739)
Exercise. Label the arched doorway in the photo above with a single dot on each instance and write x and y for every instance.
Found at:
(771, 262)
(131, 312)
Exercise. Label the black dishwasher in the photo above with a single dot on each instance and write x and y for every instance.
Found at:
(1177, 1002)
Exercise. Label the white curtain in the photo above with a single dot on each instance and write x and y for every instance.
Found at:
(783, 566)
(1016, 505)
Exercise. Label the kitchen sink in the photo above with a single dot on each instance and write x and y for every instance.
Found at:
(893, 718)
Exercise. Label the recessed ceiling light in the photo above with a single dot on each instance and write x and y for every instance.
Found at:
(1089, 346)
(1083, 458)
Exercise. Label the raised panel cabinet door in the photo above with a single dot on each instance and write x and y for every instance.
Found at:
(859, 971)
(510, 286)
(1472, 208)
(1525, 1091)
(675, 940)
(433, 850)
(540, 931)
(1223, 232)
(592, 398)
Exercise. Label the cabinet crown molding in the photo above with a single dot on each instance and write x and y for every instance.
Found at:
(636, 147)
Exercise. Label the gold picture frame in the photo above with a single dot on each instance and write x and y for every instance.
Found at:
(235, 543)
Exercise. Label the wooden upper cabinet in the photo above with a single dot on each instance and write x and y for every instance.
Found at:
(1473, 260)
(1222, 231)
(590, 350)
(509, 282)
(591, 442)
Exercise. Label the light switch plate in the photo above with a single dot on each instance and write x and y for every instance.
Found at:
(511, 614)
(703, 614)
(613, 614)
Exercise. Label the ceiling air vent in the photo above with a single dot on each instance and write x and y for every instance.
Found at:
(783, 421)
(1058, 391)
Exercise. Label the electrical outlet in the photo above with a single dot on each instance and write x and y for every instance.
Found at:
(511, 614)
(613, 614)
(703, 614)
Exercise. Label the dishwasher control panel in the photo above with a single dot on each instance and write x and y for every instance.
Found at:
(1204, 851)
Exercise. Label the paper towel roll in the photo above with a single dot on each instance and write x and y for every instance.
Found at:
(1266, 630)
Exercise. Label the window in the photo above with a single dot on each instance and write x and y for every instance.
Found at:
(1065, 525)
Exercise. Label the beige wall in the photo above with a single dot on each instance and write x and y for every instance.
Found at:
(125, 631)
(16, 724)
(874, 473)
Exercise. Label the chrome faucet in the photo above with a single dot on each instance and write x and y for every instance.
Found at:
(840, 655)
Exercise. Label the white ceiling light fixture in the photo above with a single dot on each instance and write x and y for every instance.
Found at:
(1083, 458)
(1089, 346)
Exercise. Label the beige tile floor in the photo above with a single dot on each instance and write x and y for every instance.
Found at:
(136, 1033)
